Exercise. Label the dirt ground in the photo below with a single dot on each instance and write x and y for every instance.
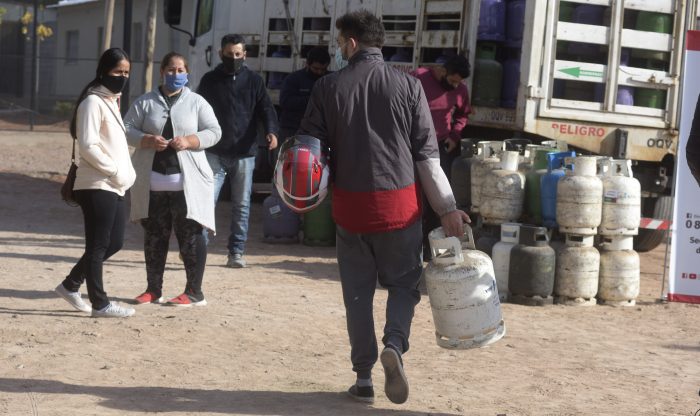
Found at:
(272, 340)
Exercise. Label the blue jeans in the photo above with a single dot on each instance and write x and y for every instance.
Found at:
(240, 171)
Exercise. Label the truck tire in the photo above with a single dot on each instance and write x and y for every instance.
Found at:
(648, 240)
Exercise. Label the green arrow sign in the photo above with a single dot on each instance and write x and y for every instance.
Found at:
(578, 72)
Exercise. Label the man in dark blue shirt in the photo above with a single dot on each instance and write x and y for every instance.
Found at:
(296, 90)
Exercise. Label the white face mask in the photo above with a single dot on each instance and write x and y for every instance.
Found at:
(340, 62)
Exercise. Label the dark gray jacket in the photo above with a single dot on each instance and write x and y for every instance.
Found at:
(377, 123)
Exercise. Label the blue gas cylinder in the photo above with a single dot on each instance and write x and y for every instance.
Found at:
(515, 18)
(401, 55)
(588, 15)
(625, 94)
(548, 186)
(280, 224)
(625, 54)
(511, 80)
(492, 20)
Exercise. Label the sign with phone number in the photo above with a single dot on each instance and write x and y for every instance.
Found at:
(684, 279)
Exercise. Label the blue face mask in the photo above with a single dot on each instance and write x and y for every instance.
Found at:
(340, 62)
(175, 82)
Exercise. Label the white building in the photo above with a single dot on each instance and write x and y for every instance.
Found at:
(80, 33)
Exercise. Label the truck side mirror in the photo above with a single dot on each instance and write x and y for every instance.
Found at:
(172, 11)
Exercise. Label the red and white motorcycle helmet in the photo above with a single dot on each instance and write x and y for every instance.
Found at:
(301, 173)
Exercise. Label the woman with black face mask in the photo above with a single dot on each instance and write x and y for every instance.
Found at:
(104, 175)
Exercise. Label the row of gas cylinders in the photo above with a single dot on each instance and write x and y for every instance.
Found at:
(281, 225)
(582, 195)
(530, 270)
(466, 287)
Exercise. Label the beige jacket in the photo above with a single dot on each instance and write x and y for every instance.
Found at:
(105, 162)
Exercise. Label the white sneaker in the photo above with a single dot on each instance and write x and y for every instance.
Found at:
(113, 310)
(235, 261)
(73, 298)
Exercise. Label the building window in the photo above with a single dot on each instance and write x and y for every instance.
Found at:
(100, 40)
(72, 46)
(137, 42)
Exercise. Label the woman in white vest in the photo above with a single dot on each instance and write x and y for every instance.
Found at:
(170, 127)
(104, 175)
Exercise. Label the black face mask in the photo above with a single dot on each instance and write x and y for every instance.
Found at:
(446, 85)
(232, 65)
(114, 83)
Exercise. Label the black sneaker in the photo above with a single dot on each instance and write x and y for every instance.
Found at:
(362, 394)
(395, 383)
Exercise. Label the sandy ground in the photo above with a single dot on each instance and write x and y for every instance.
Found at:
(272, 340)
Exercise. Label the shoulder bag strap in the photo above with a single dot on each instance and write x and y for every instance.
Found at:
(119, 120)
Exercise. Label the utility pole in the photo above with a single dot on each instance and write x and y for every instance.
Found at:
(128, 8)
(109, 20)
(150, 46)
(35, 67)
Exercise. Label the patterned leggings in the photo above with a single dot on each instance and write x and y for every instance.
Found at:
(167, 211)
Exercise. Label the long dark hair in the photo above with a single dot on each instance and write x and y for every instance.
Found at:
(108, 61)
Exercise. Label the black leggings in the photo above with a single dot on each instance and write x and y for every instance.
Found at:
(105, 215)
(168, 210)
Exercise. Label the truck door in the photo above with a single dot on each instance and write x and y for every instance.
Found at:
(203, 51)
(611, 61)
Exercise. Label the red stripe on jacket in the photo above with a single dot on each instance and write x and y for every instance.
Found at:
(376, 211)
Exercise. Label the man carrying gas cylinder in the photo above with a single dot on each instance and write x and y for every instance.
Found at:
(376, 124)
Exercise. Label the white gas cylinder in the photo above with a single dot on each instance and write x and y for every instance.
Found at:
(622, 200)
(618, 282)
(486, 160)
(503, 191)
(462, 291)
(580, 198)
(501, 257)
(576, 279)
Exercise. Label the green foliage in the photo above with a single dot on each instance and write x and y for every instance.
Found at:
(63, 109)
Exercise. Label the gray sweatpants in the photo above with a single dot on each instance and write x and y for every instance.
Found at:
(394, 259)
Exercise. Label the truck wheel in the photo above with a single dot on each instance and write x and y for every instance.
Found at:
(648, 240)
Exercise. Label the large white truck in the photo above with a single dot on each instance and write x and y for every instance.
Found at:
(601, 75)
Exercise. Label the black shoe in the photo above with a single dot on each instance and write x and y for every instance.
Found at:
(362, 394)
(395, 383)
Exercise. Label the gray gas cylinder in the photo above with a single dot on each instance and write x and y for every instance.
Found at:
(532, 268)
